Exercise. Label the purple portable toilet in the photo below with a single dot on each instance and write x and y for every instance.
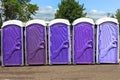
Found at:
(107, 40)
(59, 42)
(12, 47)
(83, 41)
(35, 42)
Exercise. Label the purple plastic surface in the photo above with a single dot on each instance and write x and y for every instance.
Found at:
(12, 45)
(83, 46)
(59, 44)
(35, 44)
(108, 43)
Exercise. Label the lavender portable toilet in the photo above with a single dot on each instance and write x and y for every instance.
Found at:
(83, 41)
(107, 40)
(35, 42)
(12, 43)
(59, 42)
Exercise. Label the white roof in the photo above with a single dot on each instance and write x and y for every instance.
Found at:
(65, 21)
(37, 21)
(79, 20)
(106, 19)
(14, 22)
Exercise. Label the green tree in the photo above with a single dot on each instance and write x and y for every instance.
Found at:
(18, 9)
(117, 15)
(110, 15)
(70, 9)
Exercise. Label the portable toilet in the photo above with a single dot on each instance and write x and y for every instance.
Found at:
(107, 40)
(83, 41)
(59, 42)
(35, 42)
(12, 43)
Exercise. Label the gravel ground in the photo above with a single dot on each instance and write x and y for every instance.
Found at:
(62, 72)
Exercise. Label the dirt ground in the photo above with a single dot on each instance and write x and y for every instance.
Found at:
(62, 72)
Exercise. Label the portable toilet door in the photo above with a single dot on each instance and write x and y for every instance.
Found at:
(107, 40)
(59, 42)
(83, 41)
(12, 43)
(35, 43)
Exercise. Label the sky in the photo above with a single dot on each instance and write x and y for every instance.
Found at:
(95, 8)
